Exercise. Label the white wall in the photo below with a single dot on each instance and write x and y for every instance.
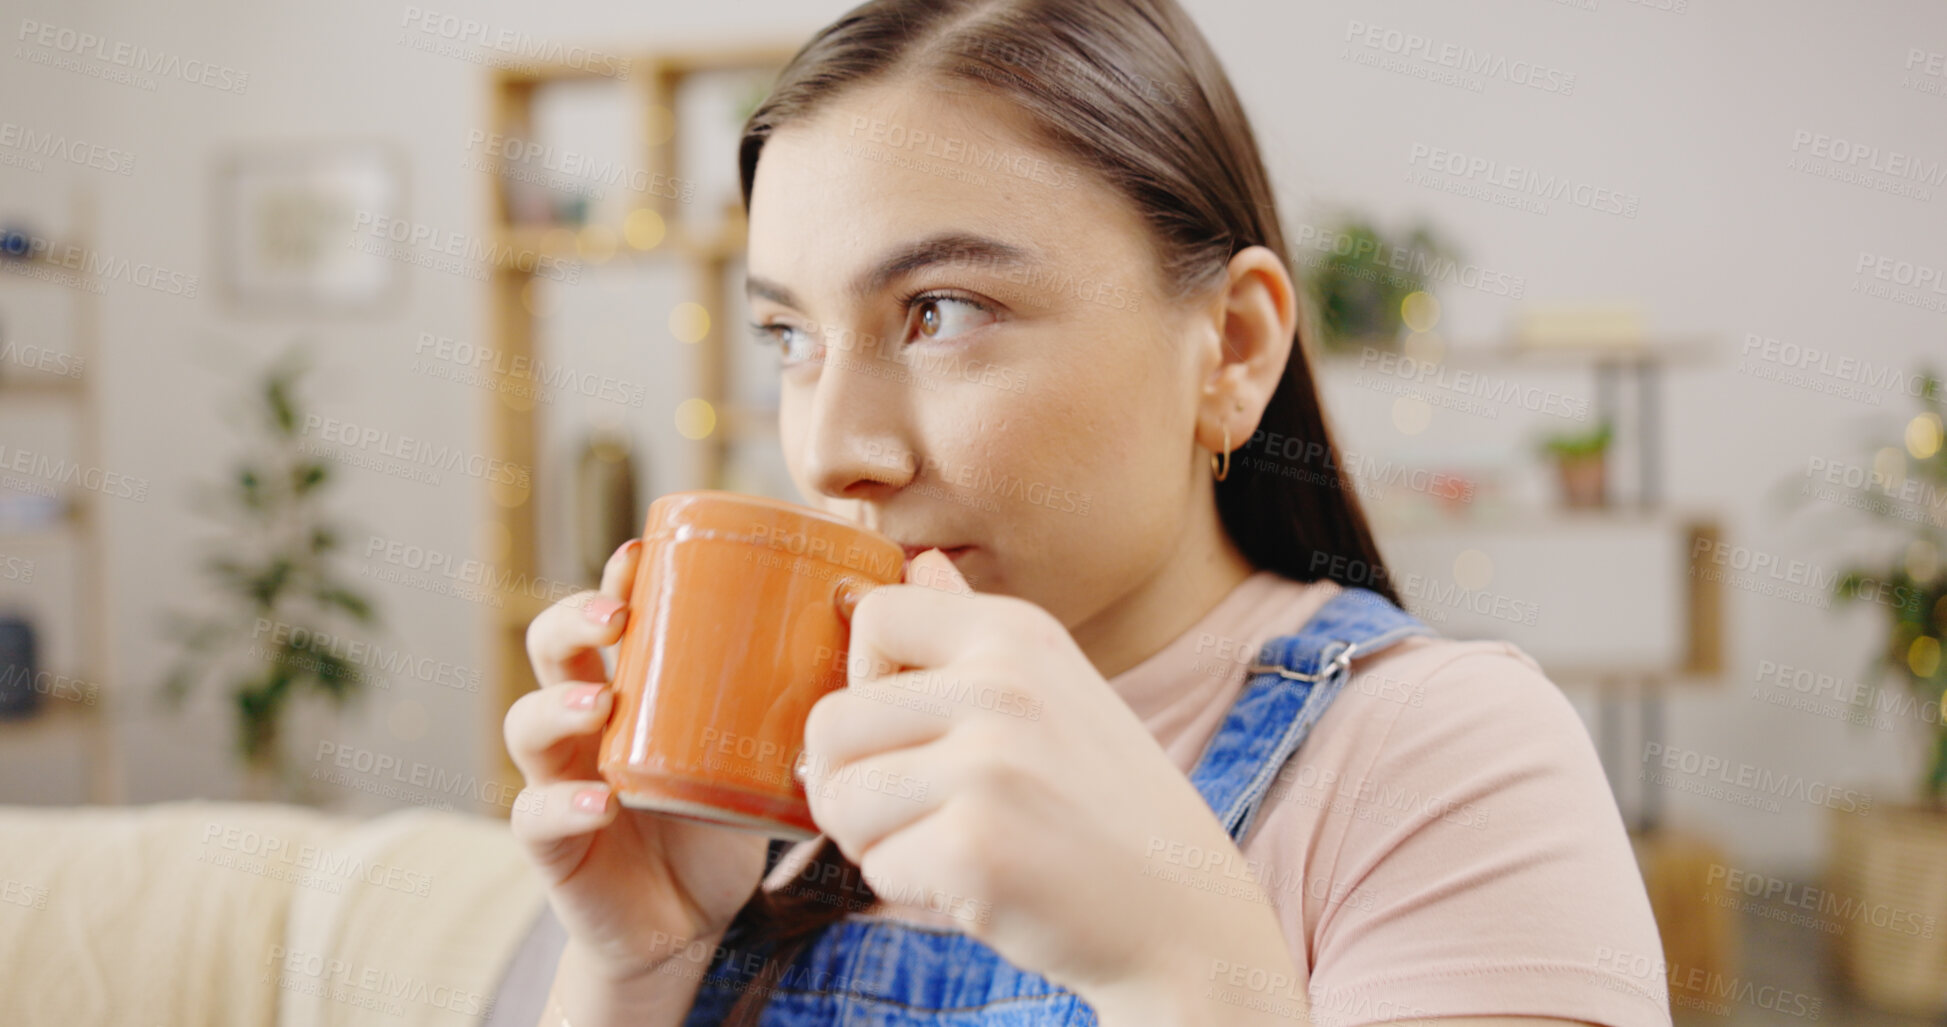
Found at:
(1694, 112)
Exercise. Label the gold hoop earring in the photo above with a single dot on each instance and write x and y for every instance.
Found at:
(1224, 471)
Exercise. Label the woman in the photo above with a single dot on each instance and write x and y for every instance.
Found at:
(1023, 267)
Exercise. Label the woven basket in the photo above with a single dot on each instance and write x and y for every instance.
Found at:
(1888, 878)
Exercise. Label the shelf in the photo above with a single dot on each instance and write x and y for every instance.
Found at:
(729, 58)
(601, 244)
(43, 259)
(68, 526)
(43, 386)
(1504, 352)
(17, 265)
(1584, 634)
(52, 534)
(55, 714)
(536, 73)
(64, 722)
(701, 253)
(77, 523)
(1529, 520)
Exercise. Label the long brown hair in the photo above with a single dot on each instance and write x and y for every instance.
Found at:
(1131, 91)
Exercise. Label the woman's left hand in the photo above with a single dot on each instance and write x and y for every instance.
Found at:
(980, 766)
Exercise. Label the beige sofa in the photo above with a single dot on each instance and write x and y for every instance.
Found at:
(253, 915)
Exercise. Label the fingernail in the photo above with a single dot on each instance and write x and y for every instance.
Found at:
(850, 591)
(582, 697)
(591, 800)
(625, 547)
(601, 609)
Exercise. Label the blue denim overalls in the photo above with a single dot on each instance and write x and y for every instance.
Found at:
(870, 972)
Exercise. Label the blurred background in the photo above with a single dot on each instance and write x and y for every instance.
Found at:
(338, 340)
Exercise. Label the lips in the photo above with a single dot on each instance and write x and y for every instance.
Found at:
(953, 553)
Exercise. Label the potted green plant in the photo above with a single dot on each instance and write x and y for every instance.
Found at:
(280, 596)
(1890, 864)
(1582, 465)
(1359, 284)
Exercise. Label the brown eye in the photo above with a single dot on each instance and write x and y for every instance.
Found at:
(947, 317)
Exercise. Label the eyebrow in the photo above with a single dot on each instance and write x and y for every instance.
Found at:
(943, 248)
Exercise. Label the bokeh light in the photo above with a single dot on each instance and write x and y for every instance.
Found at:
(689, 322)
(695, 418)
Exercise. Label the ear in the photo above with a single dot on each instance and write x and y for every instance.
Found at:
(1255, 313)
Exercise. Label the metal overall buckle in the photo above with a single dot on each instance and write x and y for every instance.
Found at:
(1340, 662)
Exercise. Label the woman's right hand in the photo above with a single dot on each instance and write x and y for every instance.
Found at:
(630, 887)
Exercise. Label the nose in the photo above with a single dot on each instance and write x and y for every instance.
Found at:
(858, 443)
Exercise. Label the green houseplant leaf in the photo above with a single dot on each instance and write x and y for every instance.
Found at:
(270, 569)
(1910, 584)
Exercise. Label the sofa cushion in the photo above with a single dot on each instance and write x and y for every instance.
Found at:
(224, 913)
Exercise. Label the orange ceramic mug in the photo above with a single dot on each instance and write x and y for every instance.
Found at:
(738, 623)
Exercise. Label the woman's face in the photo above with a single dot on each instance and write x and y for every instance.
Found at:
(976, 353)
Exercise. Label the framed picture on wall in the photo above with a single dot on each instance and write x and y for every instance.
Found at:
(294, 228)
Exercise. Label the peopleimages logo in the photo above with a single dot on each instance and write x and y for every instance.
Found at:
(433, 25)
(1756, 570)
(1862, 703)
(71, 257)
(545, 375)
(1829, 909)
(1925, 71)
(55, 470)
(1901, 272)
(1751, 778)
(358, 656)
(1523, 181)
(1411, 46)
(1372, 257)
(1706, 989)
(463, 577)
(1836, 368)
(40, 358)
(1891, 163)
(425, 776)
(1900, 281)
(573, 164)
(16, 568)
(362, 985)
(421, 452)
(59, 146)
(1495, 390)
(20, 893)
(971, 152)
(130, 57)
(472, 250)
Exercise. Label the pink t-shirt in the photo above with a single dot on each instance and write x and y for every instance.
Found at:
(1444, 843)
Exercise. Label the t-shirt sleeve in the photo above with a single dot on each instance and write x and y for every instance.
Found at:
(1493, 871)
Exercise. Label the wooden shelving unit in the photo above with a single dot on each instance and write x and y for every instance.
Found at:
(1639, 365)
(1674, 864)
(80, 523)
(654, 230)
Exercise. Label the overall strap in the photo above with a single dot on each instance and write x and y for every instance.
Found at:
(1294, 679)
(861, 971)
